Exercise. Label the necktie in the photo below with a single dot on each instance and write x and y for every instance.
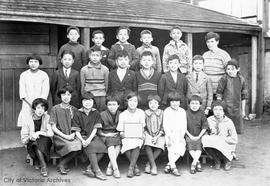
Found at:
(197, 77)
(66, 73)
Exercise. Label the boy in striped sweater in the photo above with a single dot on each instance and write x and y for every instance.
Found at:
(147, 79)
(94, 78)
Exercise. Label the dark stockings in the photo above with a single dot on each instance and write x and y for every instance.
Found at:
(40, 157)
(132, 156)
(94, 159)
(152, 154)
(65, 159)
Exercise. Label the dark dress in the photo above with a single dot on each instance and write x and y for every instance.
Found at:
(85, 124)
(43, 143)
(196, 122)
(109, 124)
(61, 117)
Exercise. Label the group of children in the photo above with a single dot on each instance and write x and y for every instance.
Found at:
(97, 93)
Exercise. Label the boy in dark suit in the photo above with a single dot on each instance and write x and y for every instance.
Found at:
(66, 76)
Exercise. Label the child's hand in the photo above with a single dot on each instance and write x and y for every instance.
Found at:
(122, 135)
(154, 140)
(34, 136)
(243, 113)
(193, 138)
(84, 143)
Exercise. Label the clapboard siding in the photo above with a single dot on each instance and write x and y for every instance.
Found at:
(17, 41)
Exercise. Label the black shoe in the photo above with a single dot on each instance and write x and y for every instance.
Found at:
(199, 167)
(193, 169)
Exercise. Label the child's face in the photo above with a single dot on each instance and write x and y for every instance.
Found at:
(176, 34)
(123, 62)
(40, 110)
(66, 97)
(175, 105)
(212, 43)
(194, 105)
(218, 112)
(67, 60)
(112, 106)
(153, 104)
(88, 103)
(95, 57)
(173, 65)
(232, 70)
(133, 102)
(33, 64)
(73, 35)
(146, 39)
(198, 65)
(122, 35)
(98, 39)
(147, 62)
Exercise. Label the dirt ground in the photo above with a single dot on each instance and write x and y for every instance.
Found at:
(252, 169)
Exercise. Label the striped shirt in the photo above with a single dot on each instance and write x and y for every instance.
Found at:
(214, 65)
(94, 78)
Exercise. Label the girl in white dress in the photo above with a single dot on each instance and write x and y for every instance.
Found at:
(33, 83)
(175, 126)
(131, 146)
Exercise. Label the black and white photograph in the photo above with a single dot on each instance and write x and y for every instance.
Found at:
(135, 92)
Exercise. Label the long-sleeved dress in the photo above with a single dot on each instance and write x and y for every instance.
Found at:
(127, 117)
(175, 126)
(61, 117)
(32, 85)
(222, 137)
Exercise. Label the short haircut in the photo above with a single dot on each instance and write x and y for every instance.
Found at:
(64, 89)
(93, 49)
(195, 98)
(197, 57)
(97, 32)
(219, 103)
(174, 96)
(34, 56)
(133, 94)
(123, 28)
(87, 95)
(211, 35)
(147, 53)
(176, 27)
(68, 52)
(73, 28)
(172, 57)
(122, 53)
(145, 32)
(153, 97)
(42, 102)
(233, 62)
(112, 98)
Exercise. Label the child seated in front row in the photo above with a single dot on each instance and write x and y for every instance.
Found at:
(154, 134)
(175, 126)
(147, 79)
(122, 81)
(222, 139)
(86, 122)
(131, 146)
(110, 135)
(196, 127)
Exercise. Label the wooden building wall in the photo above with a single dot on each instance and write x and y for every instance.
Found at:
(17, 41)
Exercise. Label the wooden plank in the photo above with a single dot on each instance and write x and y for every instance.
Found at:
(23, 28)
(18, 61)
(254, 58)
(23, 39)
(189, 41)
(24, 49)
(9, 120)
(53, 40)
(1, 101)
(85, 37)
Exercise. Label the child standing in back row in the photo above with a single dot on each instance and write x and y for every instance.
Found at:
(98, 38)
(122, 35)
(81, 58)
(178, 47)
(146, 39)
